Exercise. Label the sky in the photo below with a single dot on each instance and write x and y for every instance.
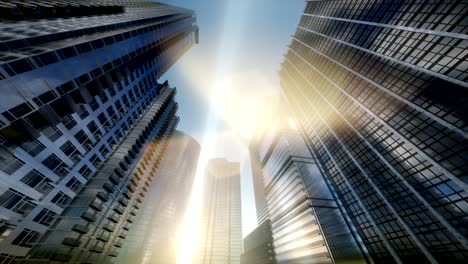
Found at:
(223, 82)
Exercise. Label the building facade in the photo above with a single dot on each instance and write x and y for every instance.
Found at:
(93, 225)
(221, 223)
(258, 184)
(258, 246)
(154, 237)
(307, 224)
(81, 111)
(379, 92)
(269, 113)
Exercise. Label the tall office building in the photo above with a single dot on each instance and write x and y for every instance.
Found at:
(221, 226)
(258, 185)
(258, 246)
(306, 223)
(379, 90)
(154, 237)
(83, 122)
(269, 114)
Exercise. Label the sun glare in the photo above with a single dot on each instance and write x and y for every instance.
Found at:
(292, 123)
(188, 235)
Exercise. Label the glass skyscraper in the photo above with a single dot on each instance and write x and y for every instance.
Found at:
(153, 239)
(83, 121)
(306, 223)
(221, 222)
(380, 94)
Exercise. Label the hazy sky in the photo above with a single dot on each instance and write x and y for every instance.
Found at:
(223, 82)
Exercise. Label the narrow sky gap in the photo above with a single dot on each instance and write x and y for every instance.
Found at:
(222, 84)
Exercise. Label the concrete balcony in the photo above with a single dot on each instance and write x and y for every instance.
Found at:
(82, 229)
(71, 242)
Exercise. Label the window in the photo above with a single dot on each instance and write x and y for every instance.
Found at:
(83, 48)
(111, 91)
(20, 66)
(125, 100)
(21, 110)
(52, 133)
(93, 128)
(26, 238)
(45, 59)
(110, 111)
(66, 53)
(94, 160)
(82, 138)
(97, 44)
(118, 106)
(103, 149)
(83, 79)
(61, 199)
(96, 72)
(85, 171)
(33, 147)
(74, 184)
(5, 229)
(55, 165)
(9, 163)
(109, 40)
(83, 113)
(94, 104)
(10, 198)
(45, 217)
(66, 87)
(102, 118)
(69, 122)
(16, 202)
(104, 97)
(39, 182)
(70, 151)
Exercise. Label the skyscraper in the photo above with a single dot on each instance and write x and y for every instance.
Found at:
(269, 112)
(221, 226)
(380, 94)
(83, 121)
(153, 239)
(306, 223)
(258, 245)
(258, 184)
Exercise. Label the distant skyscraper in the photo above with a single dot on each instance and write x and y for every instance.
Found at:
(153, 239)
(83, 122)
(258, 246)
(255, 163)
(221, 226)
(259, 188)
(258, 184)
(306, 223)
(379, 90)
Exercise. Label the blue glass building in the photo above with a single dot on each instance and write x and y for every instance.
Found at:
(84, 122)
(379, 90)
